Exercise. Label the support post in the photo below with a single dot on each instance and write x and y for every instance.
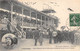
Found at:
(11, 12)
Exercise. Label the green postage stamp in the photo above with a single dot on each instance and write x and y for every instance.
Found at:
(74, 19)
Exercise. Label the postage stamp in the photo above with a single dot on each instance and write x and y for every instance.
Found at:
(74, 19)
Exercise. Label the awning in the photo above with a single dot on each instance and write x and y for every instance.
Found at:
(48, 11)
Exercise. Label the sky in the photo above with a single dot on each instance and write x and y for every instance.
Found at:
(60, 6)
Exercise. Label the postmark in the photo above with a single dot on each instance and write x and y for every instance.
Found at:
(73, 22)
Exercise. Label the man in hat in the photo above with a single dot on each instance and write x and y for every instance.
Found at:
(50, 36)
(5, 21)
(36, 36)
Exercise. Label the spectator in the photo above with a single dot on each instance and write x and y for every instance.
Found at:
(36, 36)
(40, 37)
(50, 36)
(55, 36)
(59, 36)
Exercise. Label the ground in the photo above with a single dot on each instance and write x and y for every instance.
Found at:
(28, 44)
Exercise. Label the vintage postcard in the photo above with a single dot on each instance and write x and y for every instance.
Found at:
(39, 25)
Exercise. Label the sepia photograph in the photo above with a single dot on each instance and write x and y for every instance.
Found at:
(39, 25)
